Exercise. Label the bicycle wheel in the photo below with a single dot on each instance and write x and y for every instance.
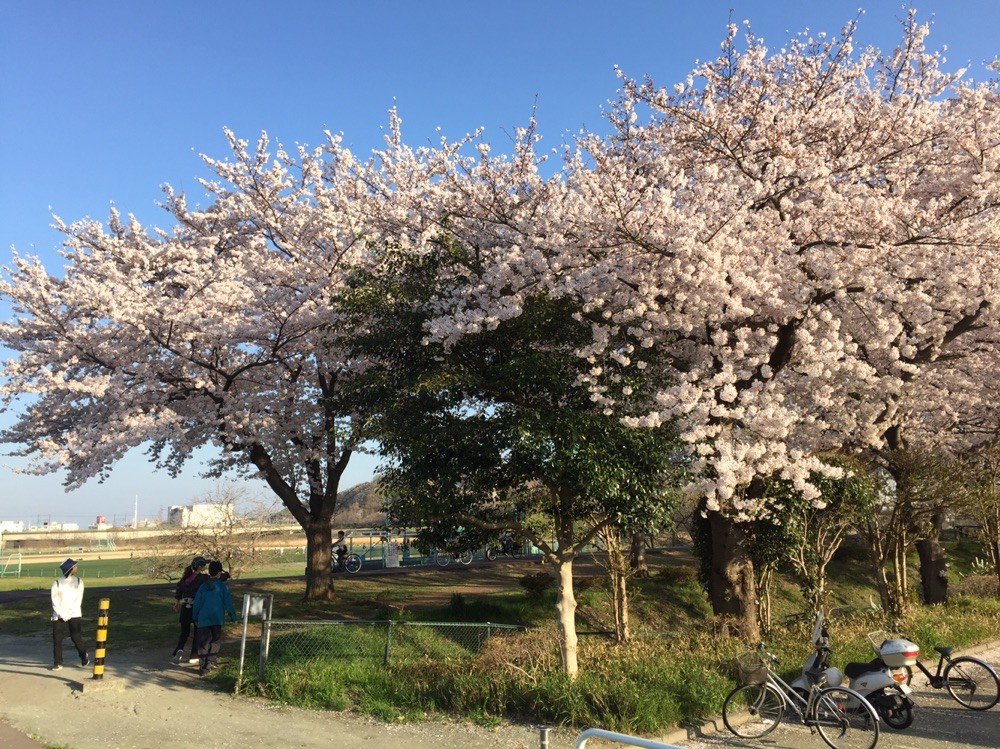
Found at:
(972, 683)
(352, 563)
(443, 558)
(491, 553)
(465, 557)
(765, 706)
(844, 719)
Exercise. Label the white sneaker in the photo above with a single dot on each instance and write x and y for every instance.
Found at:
(178, 656)
(194, 660)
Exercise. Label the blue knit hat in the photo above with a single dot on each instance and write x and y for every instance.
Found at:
(67, 566)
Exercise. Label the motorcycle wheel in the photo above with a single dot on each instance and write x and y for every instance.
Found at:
(491, 553)
(894, 710)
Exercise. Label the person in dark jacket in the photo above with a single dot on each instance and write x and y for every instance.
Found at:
(211, 603)
(193, 577)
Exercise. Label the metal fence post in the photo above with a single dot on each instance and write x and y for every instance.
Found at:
(388, 639)
(265, 639)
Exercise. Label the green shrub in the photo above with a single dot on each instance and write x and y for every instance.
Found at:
(977, 585)
(537, 584)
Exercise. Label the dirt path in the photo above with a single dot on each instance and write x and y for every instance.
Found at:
(150, 703)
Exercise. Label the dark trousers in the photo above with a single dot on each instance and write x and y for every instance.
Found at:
(60, 629)
(207, 641)
(185, 620)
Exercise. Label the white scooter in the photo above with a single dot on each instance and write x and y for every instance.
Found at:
(882, 681)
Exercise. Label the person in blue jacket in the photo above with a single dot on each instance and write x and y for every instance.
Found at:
(211, 603)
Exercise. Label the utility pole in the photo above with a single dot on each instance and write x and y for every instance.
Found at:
(135, 516)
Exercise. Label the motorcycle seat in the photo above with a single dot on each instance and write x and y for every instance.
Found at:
(854, 670)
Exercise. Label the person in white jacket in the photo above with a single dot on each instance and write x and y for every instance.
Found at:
(67, 605)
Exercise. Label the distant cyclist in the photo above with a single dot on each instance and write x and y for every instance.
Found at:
(340, 549)
(507, 545)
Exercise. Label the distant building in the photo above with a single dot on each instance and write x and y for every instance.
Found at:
(11, 526)
(55, 527)
(199, 516)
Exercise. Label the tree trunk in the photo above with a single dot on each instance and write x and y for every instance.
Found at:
(732, 589)
(566, 606)
(619, 567)
(819, 592)
(640, 566)
(624, 634)
(882, 584)
(897, 589)
(996, 565)
(319, 573)
(933, 564)
(314, 516)
(994, 549)
(764, 595)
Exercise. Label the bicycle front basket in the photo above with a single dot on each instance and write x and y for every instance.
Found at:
(751, 668)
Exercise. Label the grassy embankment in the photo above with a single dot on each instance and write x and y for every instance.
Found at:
(675, 671)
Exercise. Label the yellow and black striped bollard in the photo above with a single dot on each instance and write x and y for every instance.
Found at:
(102, 638)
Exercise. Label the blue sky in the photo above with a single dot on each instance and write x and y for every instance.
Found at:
(103, 102)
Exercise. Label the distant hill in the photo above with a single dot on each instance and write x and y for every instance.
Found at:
(360, 505)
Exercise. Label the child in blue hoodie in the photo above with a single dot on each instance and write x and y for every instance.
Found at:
(211, 603)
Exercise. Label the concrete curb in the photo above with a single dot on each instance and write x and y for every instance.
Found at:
(107, 684)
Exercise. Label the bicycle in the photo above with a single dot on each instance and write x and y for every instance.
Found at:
(971, 682)
(842, 717)
(507, 547)
(444, 558)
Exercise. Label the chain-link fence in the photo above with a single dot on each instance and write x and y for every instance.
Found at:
(297, 644)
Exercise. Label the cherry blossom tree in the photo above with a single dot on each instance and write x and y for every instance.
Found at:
(215, 332)
(795, 234)
(846, 249)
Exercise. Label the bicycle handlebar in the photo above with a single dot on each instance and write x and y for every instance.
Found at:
(763, 649)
